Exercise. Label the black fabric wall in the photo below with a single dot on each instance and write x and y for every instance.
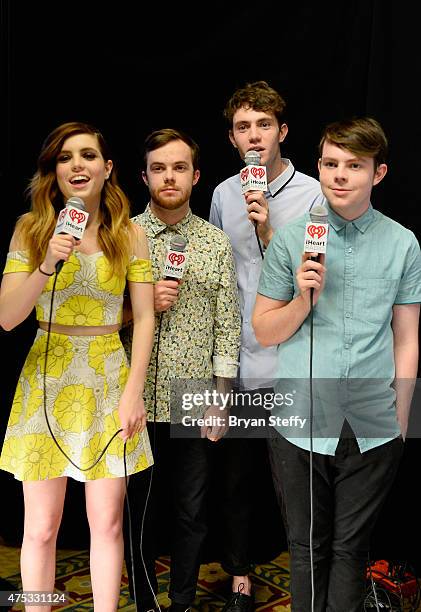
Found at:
(130, 67)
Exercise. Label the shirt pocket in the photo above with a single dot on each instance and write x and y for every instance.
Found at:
(378, 297)
(206, 281)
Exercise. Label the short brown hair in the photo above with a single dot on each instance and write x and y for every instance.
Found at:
(258, 96)
(159, 138)
(363, 136)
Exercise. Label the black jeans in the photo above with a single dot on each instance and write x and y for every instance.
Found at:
(245, 482)
(176, 511)
(349, 489)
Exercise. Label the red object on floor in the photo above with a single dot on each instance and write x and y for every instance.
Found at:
(393, 578)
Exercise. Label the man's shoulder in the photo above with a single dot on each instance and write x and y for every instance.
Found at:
(306, 181)
(210, 231)
(298, 222)
(139, 219)
(144, 220)
(306, 178)
(391, 228)
(291, 231)
(230, 182)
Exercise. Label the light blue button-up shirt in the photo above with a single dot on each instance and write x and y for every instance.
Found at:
(372, 264)
(289, 196)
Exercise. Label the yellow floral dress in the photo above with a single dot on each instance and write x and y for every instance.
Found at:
(84, 380)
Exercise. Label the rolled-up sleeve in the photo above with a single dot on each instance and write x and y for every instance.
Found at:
(227, 323)
(409, 291)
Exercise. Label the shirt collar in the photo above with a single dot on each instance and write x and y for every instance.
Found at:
(278, 182)
(157, 226)
(361, 224)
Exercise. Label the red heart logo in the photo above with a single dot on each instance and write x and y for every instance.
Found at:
(62, 215)
(244, 174)
(77, 216)
(176, 258)
(316, 231)
(258, 172)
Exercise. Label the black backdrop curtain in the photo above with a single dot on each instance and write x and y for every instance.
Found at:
(130, 67)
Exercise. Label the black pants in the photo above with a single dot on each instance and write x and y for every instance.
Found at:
(237, 490)
(241, 485)
(245, 488)
(176, 512)
(348, 492)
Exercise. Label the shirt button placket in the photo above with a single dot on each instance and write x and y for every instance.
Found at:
(349, 246)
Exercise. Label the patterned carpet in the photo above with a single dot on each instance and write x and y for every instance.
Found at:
(271, 581)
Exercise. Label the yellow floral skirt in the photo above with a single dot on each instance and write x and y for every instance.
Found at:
(85, 379)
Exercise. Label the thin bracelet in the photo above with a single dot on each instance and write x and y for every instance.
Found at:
(45, 273)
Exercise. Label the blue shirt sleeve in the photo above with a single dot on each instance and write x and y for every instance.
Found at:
(277, 278)
(215, 214)
(409, 291)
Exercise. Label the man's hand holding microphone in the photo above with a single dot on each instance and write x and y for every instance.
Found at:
(311, 274)
(166, 290)
(254, 185)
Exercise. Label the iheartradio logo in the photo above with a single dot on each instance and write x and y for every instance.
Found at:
(315, 238)
(62, 215)
(244, 174)
(176, 258)
(253, 178)
(317, 231)
(258, 172)
(77, 216)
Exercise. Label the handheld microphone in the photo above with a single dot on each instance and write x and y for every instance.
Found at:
(71, 220)
(254, 176)
(176, 258)
(316, 232)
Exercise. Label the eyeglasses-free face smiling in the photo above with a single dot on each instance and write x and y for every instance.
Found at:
(81, 170)
(347, 179)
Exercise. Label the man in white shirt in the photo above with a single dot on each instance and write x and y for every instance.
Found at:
(255, 115)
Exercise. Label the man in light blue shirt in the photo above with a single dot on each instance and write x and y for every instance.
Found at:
(366, 297)
(255, 116)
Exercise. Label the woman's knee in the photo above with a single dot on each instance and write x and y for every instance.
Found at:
(108, 526)
(42, 531)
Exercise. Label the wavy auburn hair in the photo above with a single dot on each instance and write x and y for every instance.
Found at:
(35, 228)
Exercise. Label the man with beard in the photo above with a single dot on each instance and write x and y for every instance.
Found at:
(197, 338)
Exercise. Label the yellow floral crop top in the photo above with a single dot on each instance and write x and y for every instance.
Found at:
(86, 294)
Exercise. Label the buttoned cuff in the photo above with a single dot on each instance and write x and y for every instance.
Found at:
(226, 367)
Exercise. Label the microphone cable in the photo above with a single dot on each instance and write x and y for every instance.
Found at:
(311, 447)
(373, 586)
(86, 469)
(126, 480)
(255, 222)
(179, 247)
(320, 217)
(259, 244)
(155, 598)
(311, 464)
